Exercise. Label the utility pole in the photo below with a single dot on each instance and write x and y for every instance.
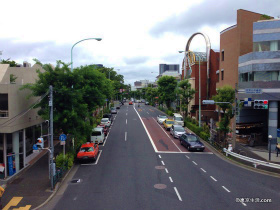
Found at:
(51, 133)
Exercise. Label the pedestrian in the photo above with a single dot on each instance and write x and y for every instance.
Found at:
(2, 190)
(277, 148)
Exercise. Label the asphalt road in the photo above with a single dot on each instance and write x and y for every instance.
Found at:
(135, 172)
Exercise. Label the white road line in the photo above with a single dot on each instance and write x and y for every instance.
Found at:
(126, 121)
(170, 179)
(187, 157)
(203, 170)
(166, 170)
(126, 113)
(194, 163)
(196, 153)
(92, 164)
(147, 112)
(168, 135)
(213, 178)
(179, 197)
(162, 163)
(125, 135)
(244, 204)
(151, 140)
(159, 156)
(225, 188)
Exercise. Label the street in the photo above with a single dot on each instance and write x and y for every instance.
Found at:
(143, 167)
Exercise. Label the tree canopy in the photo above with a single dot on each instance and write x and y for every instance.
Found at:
(166, 89)
(186, 93)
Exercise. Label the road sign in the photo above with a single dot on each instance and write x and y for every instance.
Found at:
(253, 90)
(208, 102)
(62, 137)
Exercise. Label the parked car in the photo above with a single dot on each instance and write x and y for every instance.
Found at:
(161, 118)
(106, 122)
(113, 110)
(167, 124)
(105, 129)
(97, 135)
(130, 103)
(146, 103)
(177, 131)
(191, 142)
(88, 151)
(178, 119)
(108, 115)
(118, 106)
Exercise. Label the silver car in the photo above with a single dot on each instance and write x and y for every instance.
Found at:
(161, 118)
(177, 131)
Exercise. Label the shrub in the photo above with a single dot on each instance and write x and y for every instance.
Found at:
(169, 112)
(60, 161)
(204, 135)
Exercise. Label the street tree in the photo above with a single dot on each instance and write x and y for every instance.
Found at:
(186, 93)
(166, 89)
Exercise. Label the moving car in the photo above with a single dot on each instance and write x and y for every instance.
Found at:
(108, 115)
(191, 142)
(161, 118)
(113, 110)
(88, 151)
(178, 119)
(105, 129)
(167, 124)
(130, 103)
(177, 131)
(106, 122)
(97, 135)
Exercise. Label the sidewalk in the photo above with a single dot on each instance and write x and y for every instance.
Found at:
(33, 185)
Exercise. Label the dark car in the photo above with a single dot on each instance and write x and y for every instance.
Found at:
(191, 142)
(108, 115)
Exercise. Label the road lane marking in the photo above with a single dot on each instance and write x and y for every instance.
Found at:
(27, 207)
(203, 170)
(244, 204)
(13, 202)
(170, 179)
(213, 178)
(126, 113)
(91, 164)
(162, 163)
(179, 197)
(166, 170)
(225, 189)
(126, 121)
(147, 112)
(168, 136)
(187, 157)
(125, 134)
(151, 140)
(194, 163)
(159, 156)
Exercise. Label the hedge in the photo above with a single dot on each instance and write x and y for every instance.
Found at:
(197, 130)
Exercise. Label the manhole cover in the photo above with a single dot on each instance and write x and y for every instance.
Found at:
(160, 186)
(160, 167)
(75, 181)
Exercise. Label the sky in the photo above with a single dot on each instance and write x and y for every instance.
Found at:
(137, 36)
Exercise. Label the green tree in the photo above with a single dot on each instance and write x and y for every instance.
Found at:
(12, 78)
(151, 93)
(166, 89)
(186, 93)
(8, 61)
(225, 94)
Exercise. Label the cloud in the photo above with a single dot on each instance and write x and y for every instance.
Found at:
(212, 13)
(136, 60)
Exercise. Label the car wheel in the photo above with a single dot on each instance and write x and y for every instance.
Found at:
(181, 142)
(188, 147)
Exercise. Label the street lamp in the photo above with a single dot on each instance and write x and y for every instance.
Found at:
(199, 83)
(98, 39)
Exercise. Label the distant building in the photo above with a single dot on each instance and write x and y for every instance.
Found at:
(168, 67)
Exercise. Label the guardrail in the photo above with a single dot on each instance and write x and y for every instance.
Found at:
(254, 161)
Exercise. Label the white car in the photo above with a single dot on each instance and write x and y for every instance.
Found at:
(161, 118)
(97, 135)
(106, 122)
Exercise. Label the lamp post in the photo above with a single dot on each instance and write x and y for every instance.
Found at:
(98, 39)
(269, 146)
(199, 83)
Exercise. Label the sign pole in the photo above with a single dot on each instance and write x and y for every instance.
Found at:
(51, 132)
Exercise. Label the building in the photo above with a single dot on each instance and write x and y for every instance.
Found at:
(20, 126)
(175, 74)
(259, 73)
(168, 67)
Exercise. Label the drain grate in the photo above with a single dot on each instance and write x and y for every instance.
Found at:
(74, 181)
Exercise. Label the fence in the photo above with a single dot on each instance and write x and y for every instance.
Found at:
(59, 173)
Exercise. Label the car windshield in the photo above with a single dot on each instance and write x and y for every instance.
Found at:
(162, 116)
(87, 149)
(96, 133)
(192, 138)
(170, 122)
(179, 118)
(104, 120)
(179, 129)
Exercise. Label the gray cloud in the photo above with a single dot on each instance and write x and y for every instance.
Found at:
(136, 60)
(213, 13)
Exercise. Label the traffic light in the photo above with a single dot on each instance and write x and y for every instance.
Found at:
(260, 104)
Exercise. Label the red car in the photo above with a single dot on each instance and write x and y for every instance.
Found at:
(88, 151)
(105, 129)
(130, 103)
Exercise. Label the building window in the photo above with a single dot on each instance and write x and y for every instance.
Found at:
(223, 55)
(260, 76)
(218, 77)
(222, 75)
(266, 46)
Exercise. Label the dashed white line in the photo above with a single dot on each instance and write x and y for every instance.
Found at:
(187, 157)
(147, 112)
(125, 135)
(126, 113)
(166, 170)
(213, 178)
(225, 188)
(194, 163)
(126, 121)
(244, 204)
(203, 170)
(170, 179)
(159, 156)
(179, 197)
(162, 163)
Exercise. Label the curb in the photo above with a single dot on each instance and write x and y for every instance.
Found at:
(55, 190)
